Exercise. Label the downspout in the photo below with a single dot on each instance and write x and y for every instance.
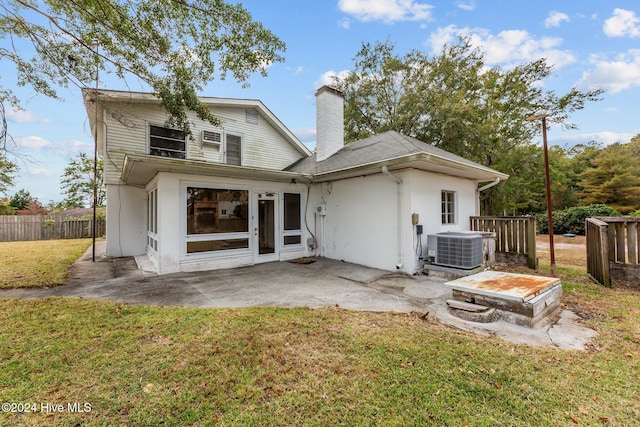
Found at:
(479, 190)
(489, 185)
(398, 181)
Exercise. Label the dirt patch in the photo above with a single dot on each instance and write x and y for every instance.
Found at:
(569, 251)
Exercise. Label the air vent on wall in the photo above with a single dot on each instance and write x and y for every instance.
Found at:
(252, 116)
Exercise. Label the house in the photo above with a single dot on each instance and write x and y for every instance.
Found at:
(249, 191)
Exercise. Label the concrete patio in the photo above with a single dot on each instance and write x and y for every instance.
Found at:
(321, 283)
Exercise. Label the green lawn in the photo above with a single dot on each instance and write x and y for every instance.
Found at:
(138, 365)
(39, 263)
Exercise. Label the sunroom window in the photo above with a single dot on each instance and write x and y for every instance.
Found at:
(217, 219)
(292, 219)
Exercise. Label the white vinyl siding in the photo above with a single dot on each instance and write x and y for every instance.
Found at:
(263, 145)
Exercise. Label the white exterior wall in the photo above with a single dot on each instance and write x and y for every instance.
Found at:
(126, 220)
(361, 222)
(427, 203)
(172, 257)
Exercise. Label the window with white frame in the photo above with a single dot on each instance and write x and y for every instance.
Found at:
(292, 219)
(166, 142)
(152, 220)
(448, 207)
(217, 219)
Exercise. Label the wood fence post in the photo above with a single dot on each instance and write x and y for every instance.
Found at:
(532, 260)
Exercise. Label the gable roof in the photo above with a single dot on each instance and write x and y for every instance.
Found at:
(396, 151)
(117, 96)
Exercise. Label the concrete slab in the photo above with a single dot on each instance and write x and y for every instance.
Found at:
(323, 283)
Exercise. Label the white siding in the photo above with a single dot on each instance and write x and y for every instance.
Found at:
(263, 145)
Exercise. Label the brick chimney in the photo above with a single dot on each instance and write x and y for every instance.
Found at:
(329, 122)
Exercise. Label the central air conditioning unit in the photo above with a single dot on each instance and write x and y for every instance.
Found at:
(458, 250)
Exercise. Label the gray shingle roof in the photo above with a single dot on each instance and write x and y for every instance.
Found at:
(378, 148)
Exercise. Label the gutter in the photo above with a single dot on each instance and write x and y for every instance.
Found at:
(398, 181)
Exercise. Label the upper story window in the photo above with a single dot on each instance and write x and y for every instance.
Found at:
(448, 207)
(234, 150)
(167, 142)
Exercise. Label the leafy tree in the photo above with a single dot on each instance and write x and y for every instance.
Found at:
(34, 207)
(614, 177)
(20, 199)
(77, 182)
(571, 220)
(175, 47)
(453, 100)
(8, 170)
(5, 208)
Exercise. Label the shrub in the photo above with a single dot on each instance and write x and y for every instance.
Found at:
(571, 220)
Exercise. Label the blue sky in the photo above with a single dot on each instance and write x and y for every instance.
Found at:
(591, 43)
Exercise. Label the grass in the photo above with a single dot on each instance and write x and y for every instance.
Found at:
(138, 365)
(40, 263)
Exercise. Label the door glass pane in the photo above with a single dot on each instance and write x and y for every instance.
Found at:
(266, 227)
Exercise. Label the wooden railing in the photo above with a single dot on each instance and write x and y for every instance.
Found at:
(613, 250)
(46, 227)
(515, 237)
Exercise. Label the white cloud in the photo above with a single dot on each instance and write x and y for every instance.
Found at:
(613, 75)
(622, 23)
(508, 47)
(63, 149)
(32, 143)
(555, 19)
(297, 70)
(305, 134)
(604, 137)
(388, 11)
(328, 78)
(24, 116)
(345, 23)
(468, 5)
(41, 172)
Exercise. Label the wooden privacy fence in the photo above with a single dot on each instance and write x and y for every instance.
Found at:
(515, 237)
(613, 250)
(46, 227)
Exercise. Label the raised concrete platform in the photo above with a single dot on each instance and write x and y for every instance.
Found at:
(522, 299)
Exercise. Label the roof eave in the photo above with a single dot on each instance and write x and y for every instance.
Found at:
(139, 170)
(422, 161)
